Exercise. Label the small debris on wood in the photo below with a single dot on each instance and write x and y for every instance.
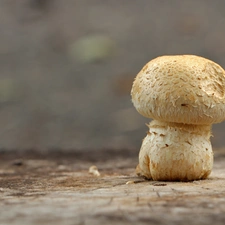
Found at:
(130, 182)
(134, 181)
(159, 184)
(17, 163)
(94, 170)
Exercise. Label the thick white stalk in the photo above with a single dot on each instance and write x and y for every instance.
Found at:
(172, 151)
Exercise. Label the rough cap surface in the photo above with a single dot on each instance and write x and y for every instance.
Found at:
(182, 89)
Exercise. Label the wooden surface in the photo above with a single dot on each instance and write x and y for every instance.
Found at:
(56, 188)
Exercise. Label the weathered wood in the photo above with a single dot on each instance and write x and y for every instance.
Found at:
(56, 188)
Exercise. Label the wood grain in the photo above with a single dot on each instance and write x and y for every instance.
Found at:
(56, 188)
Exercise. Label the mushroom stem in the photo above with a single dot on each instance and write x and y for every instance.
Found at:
(173, 151)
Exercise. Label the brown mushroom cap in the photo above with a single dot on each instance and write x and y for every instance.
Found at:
(181, 89)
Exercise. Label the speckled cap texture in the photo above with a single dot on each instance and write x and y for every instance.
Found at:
(181, 89)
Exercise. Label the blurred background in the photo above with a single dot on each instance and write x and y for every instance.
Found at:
(67, 66)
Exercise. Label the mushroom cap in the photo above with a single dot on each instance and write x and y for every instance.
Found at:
(181, 89)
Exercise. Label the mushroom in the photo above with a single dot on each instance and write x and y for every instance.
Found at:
(184, 95)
